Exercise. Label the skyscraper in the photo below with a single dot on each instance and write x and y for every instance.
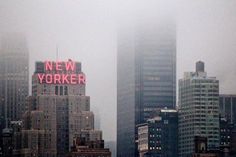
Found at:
(146, 79)
(14, 73)
(59, 88)
(58, 110)
(199, 110)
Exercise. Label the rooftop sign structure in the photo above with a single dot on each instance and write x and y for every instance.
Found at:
(61, 72)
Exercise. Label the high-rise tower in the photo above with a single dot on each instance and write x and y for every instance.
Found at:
(14, 71)
(59, 90)
(58, 111)
(146, 79)
(198, 110)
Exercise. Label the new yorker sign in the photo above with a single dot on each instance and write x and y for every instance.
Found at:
(61, 72)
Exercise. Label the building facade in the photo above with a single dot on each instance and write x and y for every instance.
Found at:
(146, 79)
(198, 110)
(159, 136)
(58, 110)
(59, 90)
(228, 107)
(225, 134)
(227, 123)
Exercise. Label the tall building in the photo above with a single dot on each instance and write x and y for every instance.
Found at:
(58, 110)
(228, 107)
(159, 136)
(14, 73)
(198, 110)
(146, 79)
(59, 89)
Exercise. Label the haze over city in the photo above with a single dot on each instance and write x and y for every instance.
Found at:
(86, 31)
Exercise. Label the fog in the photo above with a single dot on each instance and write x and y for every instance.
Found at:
(86, 31)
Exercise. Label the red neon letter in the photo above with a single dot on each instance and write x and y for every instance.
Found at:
(65, 79)
(58, 66)
(41, 76)
(48, 66)
(73, 79)
(48, 78)
(57, 78)
(82, 79)
(70, 66)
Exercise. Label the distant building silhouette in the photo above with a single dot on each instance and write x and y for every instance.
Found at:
(146, 79)
(14, 76)
(14, 79)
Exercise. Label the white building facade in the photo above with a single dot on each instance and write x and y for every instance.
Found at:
(198, 110)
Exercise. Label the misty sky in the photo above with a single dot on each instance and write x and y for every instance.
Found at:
(86, 31)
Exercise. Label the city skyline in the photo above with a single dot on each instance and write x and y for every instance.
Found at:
(198, 39)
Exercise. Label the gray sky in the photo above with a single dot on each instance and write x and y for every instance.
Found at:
(85, 30)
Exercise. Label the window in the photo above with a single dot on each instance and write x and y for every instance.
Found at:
(61, 90)
(56, 90)
(166, 121)
(66, 90)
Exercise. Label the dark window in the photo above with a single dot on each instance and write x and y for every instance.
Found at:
(66, 90)
(56, 90)
(61, 90)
